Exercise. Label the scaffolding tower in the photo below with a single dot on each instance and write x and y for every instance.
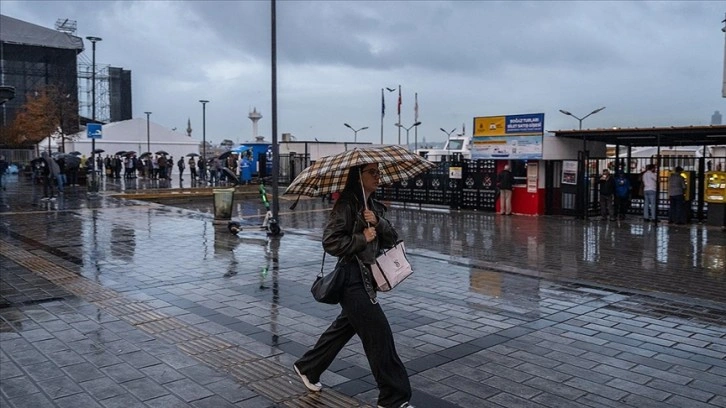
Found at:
(85, 94)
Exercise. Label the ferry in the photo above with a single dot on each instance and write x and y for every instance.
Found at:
(457, 147)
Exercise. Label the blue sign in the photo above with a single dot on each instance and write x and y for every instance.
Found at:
(529, 123)
(94, 131)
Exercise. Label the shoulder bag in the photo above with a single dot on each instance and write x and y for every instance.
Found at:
(391, 267)
(327, 288)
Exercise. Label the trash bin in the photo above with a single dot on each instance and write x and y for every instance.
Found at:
(223, 198)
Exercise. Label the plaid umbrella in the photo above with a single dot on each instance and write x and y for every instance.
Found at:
(330, 173)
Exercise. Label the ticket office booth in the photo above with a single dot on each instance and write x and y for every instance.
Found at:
(527, 196)
(715, 195)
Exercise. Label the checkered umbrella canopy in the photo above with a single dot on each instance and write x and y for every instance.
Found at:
(329, 173)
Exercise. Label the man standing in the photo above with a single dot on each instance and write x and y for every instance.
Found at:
(676, 188)
(607, 188)
(181, 166)
(650, 180)
(505, 181)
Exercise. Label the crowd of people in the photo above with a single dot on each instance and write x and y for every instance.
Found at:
(59, 170)
(616, 194)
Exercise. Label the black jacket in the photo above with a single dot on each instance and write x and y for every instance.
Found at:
(343, 236)
(505, 181)
(607, 186)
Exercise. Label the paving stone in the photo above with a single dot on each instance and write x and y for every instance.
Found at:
(58, 387)
(77, 400)
(188, 390)
(231, 391)
(42, 371)
(83, 372)
(37, 400)
(122, 372)
(102, 388)
(145, 389)
(18, 387)
(121, 401)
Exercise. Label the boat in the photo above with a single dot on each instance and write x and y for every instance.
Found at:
(457, 147)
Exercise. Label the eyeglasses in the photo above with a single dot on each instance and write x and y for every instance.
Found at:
(373, 172)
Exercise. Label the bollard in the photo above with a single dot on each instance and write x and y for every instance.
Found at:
(223, 199)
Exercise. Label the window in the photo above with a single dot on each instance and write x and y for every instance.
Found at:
(519, 171)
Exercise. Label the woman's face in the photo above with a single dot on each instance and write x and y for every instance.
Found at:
(370, 177)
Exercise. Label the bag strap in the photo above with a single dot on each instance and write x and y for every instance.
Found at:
(322, 265)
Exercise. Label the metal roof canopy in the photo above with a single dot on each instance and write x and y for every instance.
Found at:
(655, 136)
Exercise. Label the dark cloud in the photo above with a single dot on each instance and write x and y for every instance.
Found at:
(650, 63)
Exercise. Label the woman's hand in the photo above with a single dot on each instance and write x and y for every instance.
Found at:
(369, 233)
(370, 217)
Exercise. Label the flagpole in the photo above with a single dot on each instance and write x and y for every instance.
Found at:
(399, 115)
(383, 113)
(415, 119)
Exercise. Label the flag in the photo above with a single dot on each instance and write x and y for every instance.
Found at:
(399, 100)
(415, 108)
(383, 105)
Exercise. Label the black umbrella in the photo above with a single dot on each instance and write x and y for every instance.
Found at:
(226, 154)
(162, 152)
(76, 153)
(69, 159)
(192, 154)
(145, 155)
(130, 153)
(120, 153)
(97, 151)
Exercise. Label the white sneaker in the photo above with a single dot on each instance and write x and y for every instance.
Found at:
(312, 387)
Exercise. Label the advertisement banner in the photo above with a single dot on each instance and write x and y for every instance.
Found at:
(512, 137)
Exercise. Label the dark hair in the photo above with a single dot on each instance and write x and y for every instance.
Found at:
(679, 169)
(352, 185)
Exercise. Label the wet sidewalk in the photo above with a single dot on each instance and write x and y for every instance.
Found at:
(114, 302)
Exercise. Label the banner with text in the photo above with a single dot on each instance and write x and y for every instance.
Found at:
(511, 137)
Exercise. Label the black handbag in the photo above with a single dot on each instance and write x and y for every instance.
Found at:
(328, 288)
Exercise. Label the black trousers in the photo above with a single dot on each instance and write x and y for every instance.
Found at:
(362, 317)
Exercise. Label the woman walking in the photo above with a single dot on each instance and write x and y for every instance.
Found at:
(354, 235)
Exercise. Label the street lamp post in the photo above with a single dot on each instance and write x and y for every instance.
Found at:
(583, 193)
(582, 118)
(94, 186)
(204, 129)
(448, 135)
(148, 137)
(355, 132)
(400, 126)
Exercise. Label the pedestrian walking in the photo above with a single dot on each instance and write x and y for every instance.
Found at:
(649, 181)
(676, 190)
(353, 234)
(50, 172)
(607, 189)
(505, 182)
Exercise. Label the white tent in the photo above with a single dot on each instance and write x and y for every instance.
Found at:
(130, 135)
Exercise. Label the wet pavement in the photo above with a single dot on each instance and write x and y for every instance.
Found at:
(113, 301)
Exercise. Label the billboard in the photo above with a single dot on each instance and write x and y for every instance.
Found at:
(511, 137)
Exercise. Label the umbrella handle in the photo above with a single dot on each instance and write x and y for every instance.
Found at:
(363, 190)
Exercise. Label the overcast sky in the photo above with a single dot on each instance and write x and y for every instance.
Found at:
(649, 63)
